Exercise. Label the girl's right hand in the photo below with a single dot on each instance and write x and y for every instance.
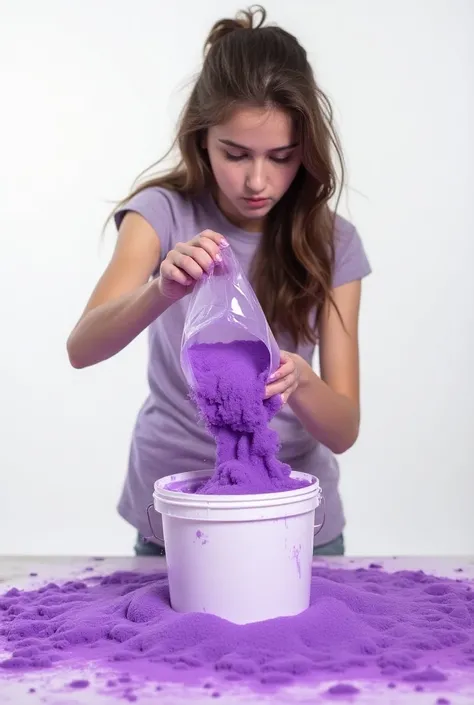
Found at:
(186, 263)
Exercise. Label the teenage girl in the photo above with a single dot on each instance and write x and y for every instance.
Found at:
(256, 171)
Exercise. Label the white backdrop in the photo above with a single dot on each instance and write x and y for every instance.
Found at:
(90, 92)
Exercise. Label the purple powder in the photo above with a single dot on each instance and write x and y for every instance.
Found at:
(79, 684)
(411, 620)
(230, 389)
(428, 675)
(343, 689)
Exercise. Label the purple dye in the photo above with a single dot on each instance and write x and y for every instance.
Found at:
(343, 689)
(428, 675)
(443, 701)
(410, 620)
(79, 684)
(230, 389)
(33, 575)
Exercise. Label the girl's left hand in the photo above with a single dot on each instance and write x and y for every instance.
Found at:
(286, 379)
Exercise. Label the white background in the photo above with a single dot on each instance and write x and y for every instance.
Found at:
(90, 92)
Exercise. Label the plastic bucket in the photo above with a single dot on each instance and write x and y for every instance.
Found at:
(245, 558)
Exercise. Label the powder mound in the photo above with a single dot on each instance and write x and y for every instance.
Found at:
(343, 689)
(230, 388)
(126, 616)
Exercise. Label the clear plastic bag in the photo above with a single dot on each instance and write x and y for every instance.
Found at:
(223, 308)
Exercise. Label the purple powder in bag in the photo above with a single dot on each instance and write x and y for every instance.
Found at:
(230, 388)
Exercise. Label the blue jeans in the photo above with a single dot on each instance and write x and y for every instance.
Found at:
(148, 548)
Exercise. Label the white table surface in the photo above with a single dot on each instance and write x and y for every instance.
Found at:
(48, 684)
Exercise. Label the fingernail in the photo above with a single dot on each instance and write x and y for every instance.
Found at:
(218, 258)
(224, 243)
(272, 377)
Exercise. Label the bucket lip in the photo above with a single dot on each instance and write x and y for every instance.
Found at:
(161, 491)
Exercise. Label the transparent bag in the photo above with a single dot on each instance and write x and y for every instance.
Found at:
(223, 308)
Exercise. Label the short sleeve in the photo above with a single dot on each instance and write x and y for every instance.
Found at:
(351, 262)
(155, 206)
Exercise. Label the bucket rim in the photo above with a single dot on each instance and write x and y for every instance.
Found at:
(162, 492)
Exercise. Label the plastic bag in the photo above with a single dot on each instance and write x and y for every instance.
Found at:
(223, 307)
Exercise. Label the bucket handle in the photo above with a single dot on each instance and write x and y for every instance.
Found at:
(320, 526)
(147, 538)
(161, 539)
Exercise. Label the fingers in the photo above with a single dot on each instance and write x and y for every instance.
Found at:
(194, 261)
(196, 257)
(282, 386)
(173, 273)
(214, 237)
(285, 380)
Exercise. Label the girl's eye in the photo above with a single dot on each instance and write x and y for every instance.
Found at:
(240, 157)
(234, 158)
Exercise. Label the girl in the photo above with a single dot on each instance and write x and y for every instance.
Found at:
(256, 173)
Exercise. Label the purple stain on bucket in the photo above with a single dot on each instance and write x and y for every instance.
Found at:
(296, 555)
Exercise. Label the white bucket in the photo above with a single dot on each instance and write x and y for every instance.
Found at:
(245, 558)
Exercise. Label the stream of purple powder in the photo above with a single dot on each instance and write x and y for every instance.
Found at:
(230, 389)
(406, 626)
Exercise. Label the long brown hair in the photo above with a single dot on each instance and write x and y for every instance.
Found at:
(248, 63)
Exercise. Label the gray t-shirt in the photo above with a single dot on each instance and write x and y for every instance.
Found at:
(168, 438)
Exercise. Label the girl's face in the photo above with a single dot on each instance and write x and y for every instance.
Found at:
(254, 157)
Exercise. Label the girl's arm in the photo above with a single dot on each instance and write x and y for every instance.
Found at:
(124, 301)
(328, 406)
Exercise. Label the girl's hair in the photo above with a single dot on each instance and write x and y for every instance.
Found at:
(248, 63)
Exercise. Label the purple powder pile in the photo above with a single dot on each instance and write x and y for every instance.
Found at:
(230, 388)
(407, 627)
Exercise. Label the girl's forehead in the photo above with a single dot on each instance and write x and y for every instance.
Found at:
(257, 128)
